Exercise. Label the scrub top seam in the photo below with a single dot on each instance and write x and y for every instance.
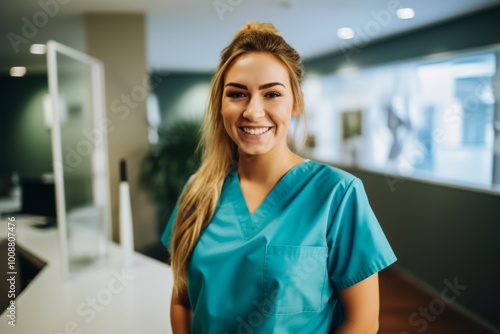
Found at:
(239, 206)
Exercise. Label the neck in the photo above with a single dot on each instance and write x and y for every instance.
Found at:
(266, 168)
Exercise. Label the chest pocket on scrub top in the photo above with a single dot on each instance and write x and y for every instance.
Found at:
(294, 278)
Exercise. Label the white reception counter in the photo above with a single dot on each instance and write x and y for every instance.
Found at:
(103, 298)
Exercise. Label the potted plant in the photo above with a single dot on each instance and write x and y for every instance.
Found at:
(169, 164)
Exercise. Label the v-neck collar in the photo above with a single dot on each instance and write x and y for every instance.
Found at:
(251, 224)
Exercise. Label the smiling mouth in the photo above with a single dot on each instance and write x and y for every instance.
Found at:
(255, 131)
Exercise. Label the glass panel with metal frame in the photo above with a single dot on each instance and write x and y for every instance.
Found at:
(80, 156)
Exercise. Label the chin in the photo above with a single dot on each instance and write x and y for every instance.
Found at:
(252, 153)
(249, 153)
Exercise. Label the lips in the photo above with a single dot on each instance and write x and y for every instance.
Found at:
(255, 131)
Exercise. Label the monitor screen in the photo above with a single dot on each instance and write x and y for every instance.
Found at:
(38, 198)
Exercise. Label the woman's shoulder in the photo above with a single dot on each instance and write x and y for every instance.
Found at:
(331, 174)
(327, 180)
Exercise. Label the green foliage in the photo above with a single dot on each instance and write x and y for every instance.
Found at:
(169, 164)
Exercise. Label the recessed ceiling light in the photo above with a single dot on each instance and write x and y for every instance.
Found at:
(345, 33)
(405, 13)
(17, 71)
(37, 49)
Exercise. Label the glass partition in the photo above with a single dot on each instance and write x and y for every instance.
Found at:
(80, 160)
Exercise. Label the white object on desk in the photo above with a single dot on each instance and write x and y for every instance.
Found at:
(126, 225)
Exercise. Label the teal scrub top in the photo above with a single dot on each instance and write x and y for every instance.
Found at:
(279, 270)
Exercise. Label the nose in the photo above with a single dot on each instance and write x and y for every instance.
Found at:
(255, 109)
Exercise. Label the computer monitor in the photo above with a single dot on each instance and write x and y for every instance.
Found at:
(38, 198)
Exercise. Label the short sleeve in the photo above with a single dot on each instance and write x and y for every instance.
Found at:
(167, 233)
(358, 246)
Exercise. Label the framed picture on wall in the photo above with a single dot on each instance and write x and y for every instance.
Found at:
(351, 124)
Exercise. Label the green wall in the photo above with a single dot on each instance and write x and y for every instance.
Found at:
(181, 95)
(25, 141)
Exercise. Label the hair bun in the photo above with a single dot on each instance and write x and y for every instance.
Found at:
(261, 27)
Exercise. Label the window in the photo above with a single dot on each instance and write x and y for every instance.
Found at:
(430, 119)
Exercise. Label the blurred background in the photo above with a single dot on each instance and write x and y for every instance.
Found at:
(404, 94)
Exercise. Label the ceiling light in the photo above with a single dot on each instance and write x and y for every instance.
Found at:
(37, 49)
(17, 71)
(405, 13)
(345, 33)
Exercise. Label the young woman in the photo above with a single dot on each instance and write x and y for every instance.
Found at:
(262, 240)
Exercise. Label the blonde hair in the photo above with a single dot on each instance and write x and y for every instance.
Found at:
(200, 198)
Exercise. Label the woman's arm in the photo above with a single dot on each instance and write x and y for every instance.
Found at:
(180, 313)
(360, 304)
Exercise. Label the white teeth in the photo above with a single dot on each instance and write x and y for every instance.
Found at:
(256, 131)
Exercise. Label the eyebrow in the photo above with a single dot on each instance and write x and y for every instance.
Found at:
(264, 86)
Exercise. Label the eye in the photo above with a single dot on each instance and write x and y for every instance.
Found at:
(272, 95)
(235, 95)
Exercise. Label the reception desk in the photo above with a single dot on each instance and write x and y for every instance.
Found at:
(103, 298)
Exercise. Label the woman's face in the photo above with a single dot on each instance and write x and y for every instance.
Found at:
(257, 104)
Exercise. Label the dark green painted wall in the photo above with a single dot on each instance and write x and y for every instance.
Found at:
(178, 94)
(25, 144)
